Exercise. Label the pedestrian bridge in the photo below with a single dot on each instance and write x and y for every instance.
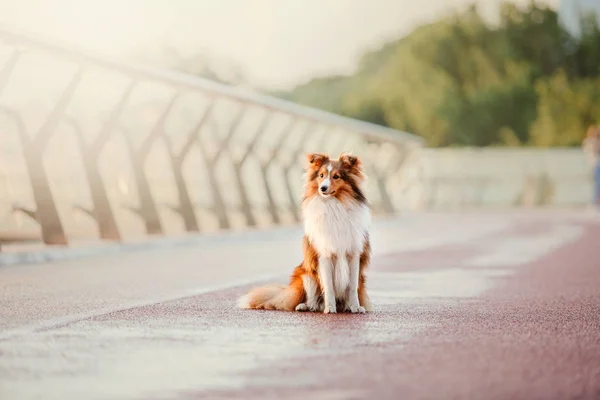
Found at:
(97, 151)
(99, 158)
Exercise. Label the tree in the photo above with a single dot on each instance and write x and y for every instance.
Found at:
(565, 110)
(461, 81)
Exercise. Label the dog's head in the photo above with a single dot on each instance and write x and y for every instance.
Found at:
(341, 178)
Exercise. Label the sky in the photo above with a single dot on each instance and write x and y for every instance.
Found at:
(278, 43)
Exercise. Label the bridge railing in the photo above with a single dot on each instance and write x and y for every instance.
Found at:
(96, 149)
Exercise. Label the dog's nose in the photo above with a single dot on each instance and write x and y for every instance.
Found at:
(323, 189)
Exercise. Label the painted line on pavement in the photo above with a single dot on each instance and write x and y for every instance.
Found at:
(66, 320)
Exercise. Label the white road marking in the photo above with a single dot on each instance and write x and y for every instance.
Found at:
(495, 257)
(516, 250)
(57, 322)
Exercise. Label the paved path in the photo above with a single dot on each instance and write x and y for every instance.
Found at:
(495, 305)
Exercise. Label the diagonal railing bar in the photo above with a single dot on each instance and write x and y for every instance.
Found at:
(185, 208)
(146, 210)
(293, 201)
(16, 118)
(111, 123)
(8, 68)
(218, 206)
(46, 212)
(237, 165)
(48, 128)
(217, 152)
(265, 167)
(192, 138)
(101, 210)
(281, 141)
(260, 131)
(224, 144)
(23, 136)
(158, 130)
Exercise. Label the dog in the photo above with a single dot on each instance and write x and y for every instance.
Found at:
(336, 244)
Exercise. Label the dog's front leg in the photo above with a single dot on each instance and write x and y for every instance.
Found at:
(311, 289)
(326, 278)
(353, 302)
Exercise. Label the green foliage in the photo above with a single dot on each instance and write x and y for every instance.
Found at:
(565, 110)
(461, 81)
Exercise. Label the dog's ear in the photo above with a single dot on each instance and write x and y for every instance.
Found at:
(353, 165)
(349, 161)
(317, 159)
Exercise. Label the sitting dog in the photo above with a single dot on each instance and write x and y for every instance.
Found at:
(336, 244)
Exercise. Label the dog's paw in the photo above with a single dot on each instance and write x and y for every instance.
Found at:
(356, 309)
(330, 309)
(302, 307)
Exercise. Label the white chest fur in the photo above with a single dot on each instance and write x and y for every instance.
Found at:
(334, 227)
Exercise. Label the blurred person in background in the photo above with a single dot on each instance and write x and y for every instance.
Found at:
(591, 147)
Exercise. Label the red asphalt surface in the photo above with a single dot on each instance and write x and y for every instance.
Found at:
(513, 313)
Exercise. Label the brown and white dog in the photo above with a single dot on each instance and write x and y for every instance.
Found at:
(336, 245)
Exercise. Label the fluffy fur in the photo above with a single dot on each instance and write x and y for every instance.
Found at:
(336, 245)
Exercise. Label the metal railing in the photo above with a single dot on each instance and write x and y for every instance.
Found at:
(92, 148)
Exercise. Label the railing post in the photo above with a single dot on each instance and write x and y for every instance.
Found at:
(211, 163)
(238, 166)
(46, 213)
(186, 207)
(294, 202)
(265, 167)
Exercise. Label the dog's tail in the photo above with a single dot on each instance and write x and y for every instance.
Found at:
(276, 297)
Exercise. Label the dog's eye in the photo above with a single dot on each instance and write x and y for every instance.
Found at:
(320, 176)
(336, 177)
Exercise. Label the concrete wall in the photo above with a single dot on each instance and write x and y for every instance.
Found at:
(497, 177)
